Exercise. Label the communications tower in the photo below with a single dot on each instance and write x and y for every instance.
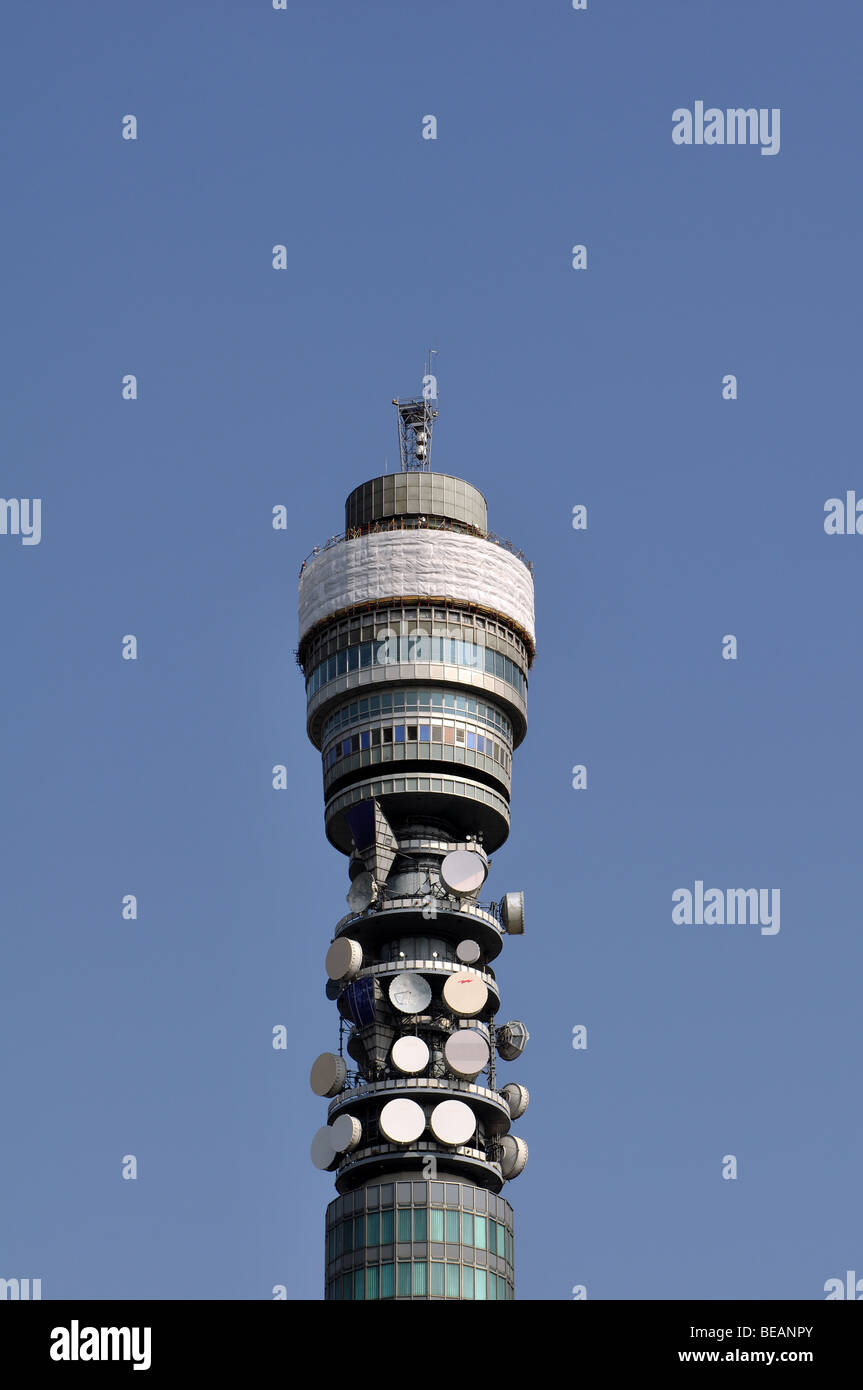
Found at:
(416, 635)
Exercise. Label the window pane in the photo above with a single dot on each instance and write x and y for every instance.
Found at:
(420, 1224)
(452, 1227)
(480, 1284)
(479, 1233)
(372, 1282)
(342, 662)
(452, 1281)
(387, 1227)
(374, 1228)
(420, 1279)
(437, 1279)
(359, 1232)
(404, 1223)
(436, 1229)
(467, 1281)
(365, 739)
(399, 732)
(425, 733)
(387, 1288)
(359, 1283)
(348, 1237)
(404, 1286)
(501, 1248)
(467, 1228)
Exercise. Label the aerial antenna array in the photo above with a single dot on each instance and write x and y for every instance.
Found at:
(415, 420)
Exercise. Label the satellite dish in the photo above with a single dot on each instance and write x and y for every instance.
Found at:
(517, 1098)
(452, 1122)
(328, 1075)
(465, 995)
(344, 959)
(357, 1002)
(410, 993)
(464, 871)
(468, 952)
(410, 1055)
(512, 913)
(512, 1039)
(466, 1052)
(362, 892)
(513, 1156)
(323, 1152)
(402, 1121)
(346, 1133)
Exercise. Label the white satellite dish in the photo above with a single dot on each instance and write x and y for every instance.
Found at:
(466, 1052)
(402, 1121)
(512, 1039)
(410, 993)
(410, 1055)
(346, 1133)
(323, 1151)
(452, 1122)
(468, 952)
(513, 1156)
(328, 1075)
(512, 913)
(464, 871)
(517, 1098)
(362, 892)
(344, 959)
(465, 995)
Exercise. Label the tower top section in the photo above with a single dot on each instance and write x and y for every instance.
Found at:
(417, 498)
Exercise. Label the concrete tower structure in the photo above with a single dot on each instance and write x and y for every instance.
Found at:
(416, 635)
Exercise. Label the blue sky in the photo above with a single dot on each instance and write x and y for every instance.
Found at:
(557, 387)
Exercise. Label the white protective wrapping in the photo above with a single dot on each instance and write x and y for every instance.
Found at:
(428, 564)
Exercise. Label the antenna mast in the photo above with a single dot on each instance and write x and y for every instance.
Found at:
(415, 420)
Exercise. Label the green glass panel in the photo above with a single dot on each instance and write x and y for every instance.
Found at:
(436, 1226)
(387, 1227)
(404, 1284)
(404, 1223)
(452, 1281)
(452, 1228)
(359, 1232)
(372, 1282)
(359, 1283)
(480, 1284)
(467, 1228)
(479, 1232)
(420, 1279)
(467, 1281)
(387, 1285)
(420, 1223)
(437, 1279)
(373, 1225)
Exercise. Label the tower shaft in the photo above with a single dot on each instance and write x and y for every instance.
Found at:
(416, 638)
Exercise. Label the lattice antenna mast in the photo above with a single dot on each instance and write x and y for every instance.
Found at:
(415, 420)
